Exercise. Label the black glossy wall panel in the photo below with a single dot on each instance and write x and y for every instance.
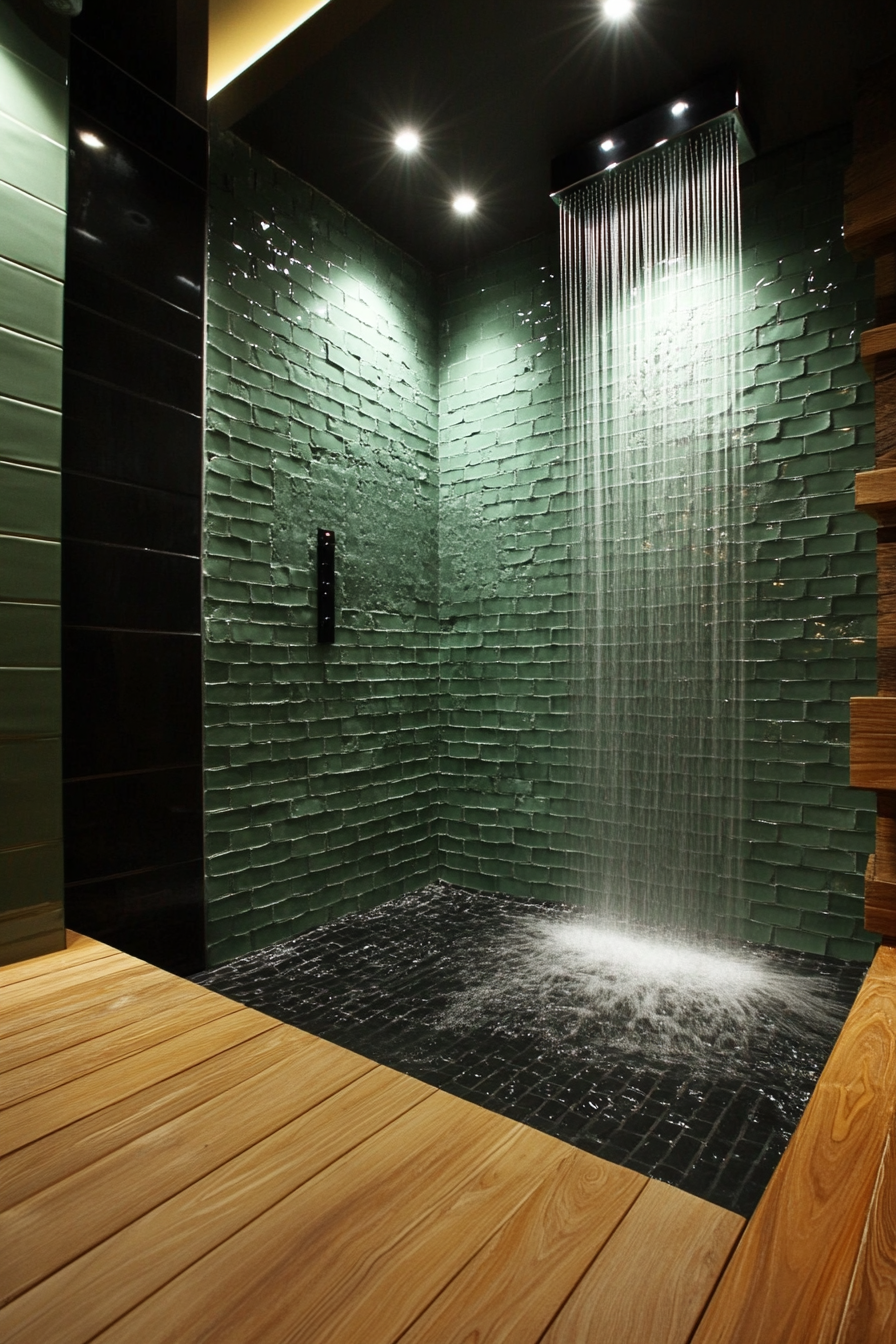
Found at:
(123, 823)
(131, 508)
(102, 90)
(150, 687)
(133, 305)
(100, 348)
(109, 431)
(130, 515)
(129, 589)
(150, 915)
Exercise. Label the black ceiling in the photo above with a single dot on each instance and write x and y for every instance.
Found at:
(499, 87)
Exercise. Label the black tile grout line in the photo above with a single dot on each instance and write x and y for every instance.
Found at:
(379, 983)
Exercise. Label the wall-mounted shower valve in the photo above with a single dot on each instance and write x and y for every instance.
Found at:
(326, 586)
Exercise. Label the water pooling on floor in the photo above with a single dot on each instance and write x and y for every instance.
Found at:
(693, 1066)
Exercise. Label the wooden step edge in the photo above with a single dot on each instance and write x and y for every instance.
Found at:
(872, 742)
(876, 492)
(880, 902)
(877, 341)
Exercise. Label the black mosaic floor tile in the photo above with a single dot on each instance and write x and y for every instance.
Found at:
(408, 983)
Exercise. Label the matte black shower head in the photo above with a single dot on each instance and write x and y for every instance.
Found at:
(708, 101)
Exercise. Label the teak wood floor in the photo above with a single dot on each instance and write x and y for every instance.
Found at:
(176, 1167)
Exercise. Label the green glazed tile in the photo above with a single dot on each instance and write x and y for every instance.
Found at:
(21, 39)
(32, 163)
(30, 302)
(30, 501)
(29, 635)
(29, 570)
(30, 369)
(30, 792)
(31, 232)
(33, 97)
(30, 876)
(30, 702)
(30, 433)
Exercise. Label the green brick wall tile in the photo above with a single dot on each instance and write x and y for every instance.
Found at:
(32, 232)
(406, 757)
(30, 702)
(30, 302)
(33, 163)
(29, 635)
(30, 793)
(30, 433)
(30, 369)
(322, 412)
(30, 500)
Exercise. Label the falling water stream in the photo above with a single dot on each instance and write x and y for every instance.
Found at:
(652, 317)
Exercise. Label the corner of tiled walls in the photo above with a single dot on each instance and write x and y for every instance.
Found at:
(432, 739)
(33, 155)
(810, 561)
(320, 759)
(504, 577)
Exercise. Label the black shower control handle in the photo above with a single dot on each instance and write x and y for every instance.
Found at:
(326, 585)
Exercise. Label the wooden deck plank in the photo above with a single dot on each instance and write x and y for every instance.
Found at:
(70, 982)
(58, 1009)
(61, 1106)
(510, 1292)
(96, 1290)
(78, 951)
(870, 1312)
(134, 999)
(69, 1218)
(42, 1075)
(792, 1274)
(61, 1153)
(653, 1278)
(359, 1251)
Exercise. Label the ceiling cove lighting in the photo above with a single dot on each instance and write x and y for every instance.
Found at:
(618, 9)
(464, 204)
(407, 141)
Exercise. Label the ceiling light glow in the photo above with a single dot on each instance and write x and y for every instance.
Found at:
(464, 204)
(678, 108)
(407, 141)
(606, 146)
(618, 9)
(92, 141)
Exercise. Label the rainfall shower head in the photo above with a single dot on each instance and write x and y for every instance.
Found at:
(714, 99)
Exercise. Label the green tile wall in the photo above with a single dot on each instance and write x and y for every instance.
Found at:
(321, 770)
(810, 564)
(504, 577)
(432, 739)
(33, 148)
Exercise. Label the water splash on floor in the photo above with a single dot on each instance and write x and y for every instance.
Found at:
(592, 987)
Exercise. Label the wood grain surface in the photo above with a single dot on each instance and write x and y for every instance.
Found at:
(792, 1276)
(174, 1167)
(655, 1275)
(872, 742)
(509, 1293)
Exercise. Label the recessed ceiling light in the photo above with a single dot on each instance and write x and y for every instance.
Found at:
(618, 9)
(660, 142)
(464, 204)
(606, 146)
(407, 141)
(678, 108)
(92, 141)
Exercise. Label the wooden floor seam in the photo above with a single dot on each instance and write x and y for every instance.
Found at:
(176, 1167)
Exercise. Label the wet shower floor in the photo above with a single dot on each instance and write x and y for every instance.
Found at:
(408, 984)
